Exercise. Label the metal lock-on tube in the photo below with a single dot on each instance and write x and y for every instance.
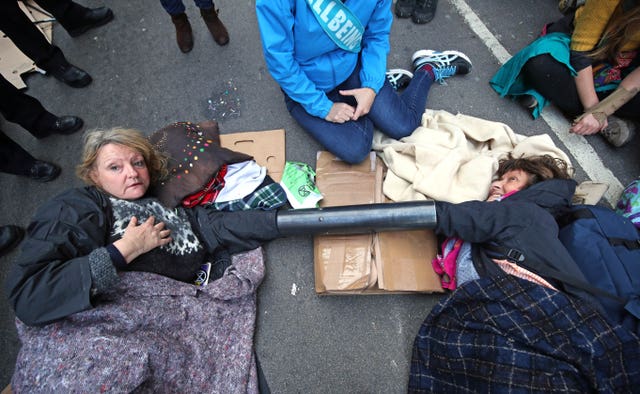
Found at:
(358, 219)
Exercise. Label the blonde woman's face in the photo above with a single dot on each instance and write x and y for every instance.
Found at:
(121, 172)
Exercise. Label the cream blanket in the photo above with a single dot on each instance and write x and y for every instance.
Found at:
(452, 157)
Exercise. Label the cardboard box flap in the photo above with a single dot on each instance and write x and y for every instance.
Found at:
(343, 263)
(267, 148)
(345, 184)
(405, 257)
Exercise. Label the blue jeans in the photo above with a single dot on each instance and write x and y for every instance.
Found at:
(396, 115)
(175, 7)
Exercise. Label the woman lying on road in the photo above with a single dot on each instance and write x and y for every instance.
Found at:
(516, 226)
(506, 314)
(79, 240)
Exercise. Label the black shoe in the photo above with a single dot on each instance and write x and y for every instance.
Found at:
(404, 8)
(425, 11)
(527, 101)
(66, 125)
(71, 75)
(10, 237)
(43, 171)
(93, 18)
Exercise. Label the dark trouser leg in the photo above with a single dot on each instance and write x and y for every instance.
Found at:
(554, 81)
(263, 386)
(68, 13)
(14, 159)
(18, 107)
(631, 110)
(173, 7)
(349, 141)
(398, 115)
(236, 231)
(27, 37)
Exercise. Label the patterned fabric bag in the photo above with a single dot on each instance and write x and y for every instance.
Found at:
(629, 203)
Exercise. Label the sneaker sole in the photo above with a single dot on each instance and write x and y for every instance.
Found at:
(404, 13)
(400, 71)
(430, 52)
(627, 132)
(629, 137)
(422, 19)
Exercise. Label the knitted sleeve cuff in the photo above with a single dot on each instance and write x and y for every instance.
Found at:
(103, 272)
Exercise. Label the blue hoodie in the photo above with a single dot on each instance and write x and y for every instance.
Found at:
(306, 63)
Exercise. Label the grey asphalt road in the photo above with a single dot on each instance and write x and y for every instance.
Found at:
(306, 343)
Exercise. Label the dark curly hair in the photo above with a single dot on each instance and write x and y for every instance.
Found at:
(539, 168)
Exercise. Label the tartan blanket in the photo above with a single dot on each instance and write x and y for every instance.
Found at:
(506, 334)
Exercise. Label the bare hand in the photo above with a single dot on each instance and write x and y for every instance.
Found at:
(588, 125)
(364, 97)
(139, 239)
(340, 113)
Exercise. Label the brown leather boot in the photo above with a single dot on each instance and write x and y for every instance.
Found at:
(215, 26)
(183, 32)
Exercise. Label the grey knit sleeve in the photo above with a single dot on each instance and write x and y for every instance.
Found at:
(103, 273)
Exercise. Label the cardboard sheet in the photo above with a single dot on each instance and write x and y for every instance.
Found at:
(266, 147)
(14, 63)
(405, 257)
(380, 263)
(344, 263)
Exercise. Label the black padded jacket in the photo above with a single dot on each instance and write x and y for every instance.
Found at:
(525, 222)
(51, 277)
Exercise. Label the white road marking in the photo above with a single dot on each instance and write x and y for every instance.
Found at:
(585, 155)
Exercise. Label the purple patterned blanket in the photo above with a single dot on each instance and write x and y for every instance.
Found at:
(151, 334)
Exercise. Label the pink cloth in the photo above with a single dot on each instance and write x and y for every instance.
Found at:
(445, 263)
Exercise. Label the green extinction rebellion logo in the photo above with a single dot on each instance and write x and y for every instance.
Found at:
(305, 190)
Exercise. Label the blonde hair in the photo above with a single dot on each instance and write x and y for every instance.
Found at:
(94, 140)
(622, 26)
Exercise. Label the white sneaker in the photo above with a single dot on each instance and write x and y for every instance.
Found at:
(445, 64)
(399, 78)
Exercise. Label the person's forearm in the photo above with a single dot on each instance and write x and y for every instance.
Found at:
(632, 81)
(608, 106)
(128, 252)
(586, 88)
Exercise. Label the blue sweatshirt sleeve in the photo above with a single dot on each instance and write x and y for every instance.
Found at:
(375, 46)
(276, 23)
